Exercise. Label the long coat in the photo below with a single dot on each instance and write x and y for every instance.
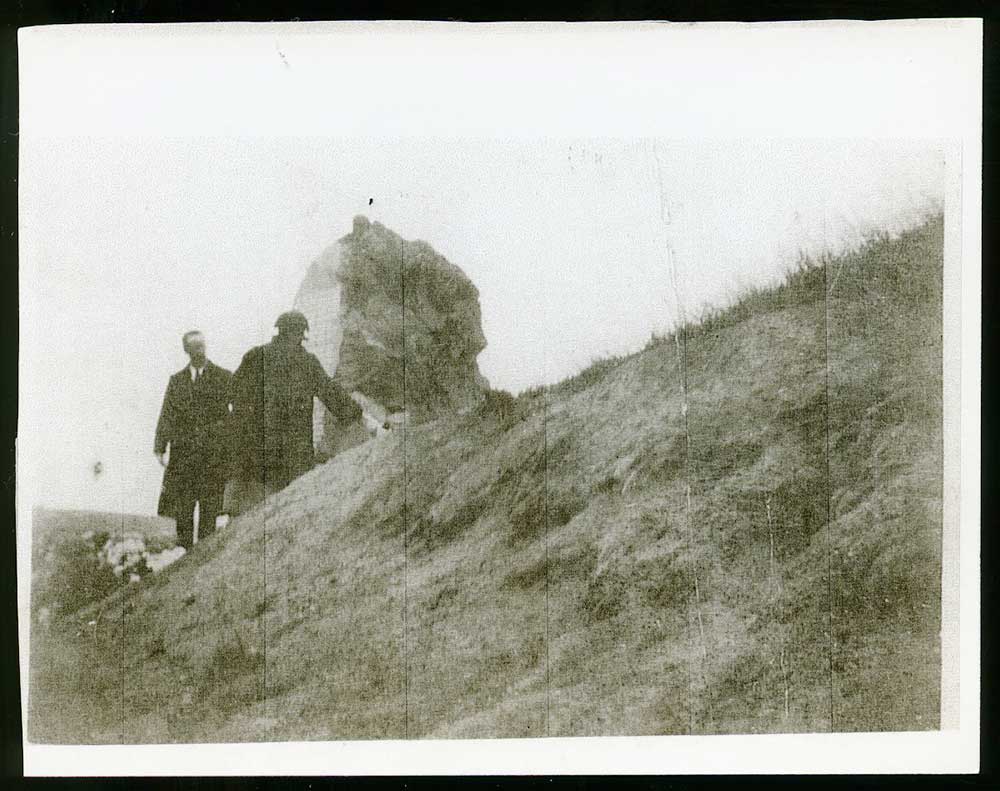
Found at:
(273, 391)
(194, 423)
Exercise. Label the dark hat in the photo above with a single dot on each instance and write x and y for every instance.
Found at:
(291, 320)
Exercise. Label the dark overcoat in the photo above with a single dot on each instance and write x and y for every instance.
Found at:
(194, 423)
(273, 391)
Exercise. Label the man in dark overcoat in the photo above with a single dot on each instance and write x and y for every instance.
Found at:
(193, 425)
(273, 391)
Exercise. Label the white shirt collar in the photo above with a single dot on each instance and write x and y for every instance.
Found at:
(192, 369)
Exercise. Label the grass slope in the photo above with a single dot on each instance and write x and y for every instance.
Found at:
(66, 573)
(736, 529)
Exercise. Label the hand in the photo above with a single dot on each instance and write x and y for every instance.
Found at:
(374, 426)
(371, 424)
(161, 457)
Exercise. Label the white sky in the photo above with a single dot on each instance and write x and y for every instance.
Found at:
(156, 196)
(136, 241)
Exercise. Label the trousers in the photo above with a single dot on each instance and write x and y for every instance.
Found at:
(208, 497)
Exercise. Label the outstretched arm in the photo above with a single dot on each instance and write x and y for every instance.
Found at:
(334, 397)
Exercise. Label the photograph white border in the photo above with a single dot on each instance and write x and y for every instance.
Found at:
(917, 80)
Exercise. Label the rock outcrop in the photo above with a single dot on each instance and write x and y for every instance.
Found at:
(396, 324)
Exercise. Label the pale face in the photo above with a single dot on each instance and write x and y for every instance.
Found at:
(194, 345)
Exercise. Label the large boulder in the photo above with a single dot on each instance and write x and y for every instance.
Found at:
(396, 324)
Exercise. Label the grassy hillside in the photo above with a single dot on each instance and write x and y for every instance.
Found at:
(736, 529)
(68, 570)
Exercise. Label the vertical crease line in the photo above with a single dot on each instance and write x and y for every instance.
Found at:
(829, 527)
(687, 500)
(545, 542)
(263, 461)
(122, 514)
(682, 355)
(121, 510)
(406, 656)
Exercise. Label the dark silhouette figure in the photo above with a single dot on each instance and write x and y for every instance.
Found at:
(193, 424)
(273, 391)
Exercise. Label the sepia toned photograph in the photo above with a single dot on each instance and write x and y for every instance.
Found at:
(336, 438)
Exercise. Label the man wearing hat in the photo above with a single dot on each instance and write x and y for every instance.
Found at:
(273, 391)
